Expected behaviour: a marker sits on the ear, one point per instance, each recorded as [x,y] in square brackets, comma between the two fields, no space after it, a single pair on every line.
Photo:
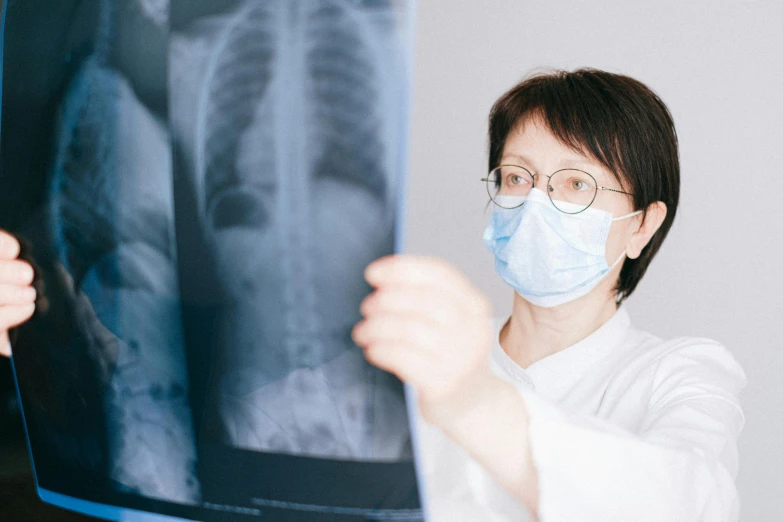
[656,213]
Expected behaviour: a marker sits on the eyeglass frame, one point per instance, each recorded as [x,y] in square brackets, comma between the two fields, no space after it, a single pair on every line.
[595,194]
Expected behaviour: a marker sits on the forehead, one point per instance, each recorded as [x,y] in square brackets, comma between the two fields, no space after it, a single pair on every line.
[532,145]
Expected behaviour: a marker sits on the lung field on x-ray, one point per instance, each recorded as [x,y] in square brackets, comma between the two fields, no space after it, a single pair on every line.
[291,136]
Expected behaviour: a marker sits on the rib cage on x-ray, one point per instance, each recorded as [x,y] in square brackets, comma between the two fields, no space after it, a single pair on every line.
[312,83]
[294,107]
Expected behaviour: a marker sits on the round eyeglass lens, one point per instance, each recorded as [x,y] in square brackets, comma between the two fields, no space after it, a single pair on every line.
[572,191]
[507,183]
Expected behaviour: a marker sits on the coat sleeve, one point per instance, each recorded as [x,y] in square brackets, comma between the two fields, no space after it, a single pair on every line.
[679,465]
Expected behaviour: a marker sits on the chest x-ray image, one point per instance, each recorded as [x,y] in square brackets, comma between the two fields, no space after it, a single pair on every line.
[283,140]
[200,185]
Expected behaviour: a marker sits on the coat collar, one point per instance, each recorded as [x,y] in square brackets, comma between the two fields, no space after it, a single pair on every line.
[559,371]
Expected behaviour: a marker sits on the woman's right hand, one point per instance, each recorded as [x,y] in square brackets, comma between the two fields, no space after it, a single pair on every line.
[17,295]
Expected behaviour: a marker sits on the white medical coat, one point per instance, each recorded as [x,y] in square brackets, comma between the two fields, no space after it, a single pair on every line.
[623,427]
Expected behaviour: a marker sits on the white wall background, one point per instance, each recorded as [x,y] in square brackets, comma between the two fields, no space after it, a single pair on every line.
[719,66]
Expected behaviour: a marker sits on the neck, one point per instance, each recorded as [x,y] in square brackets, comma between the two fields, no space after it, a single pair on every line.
[533,333]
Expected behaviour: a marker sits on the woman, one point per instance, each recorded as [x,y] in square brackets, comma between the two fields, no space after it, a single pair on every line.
[574,412]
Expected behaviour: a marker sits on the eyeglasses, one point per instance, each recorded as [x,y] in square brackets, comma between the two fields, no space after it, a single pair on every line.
[571,190]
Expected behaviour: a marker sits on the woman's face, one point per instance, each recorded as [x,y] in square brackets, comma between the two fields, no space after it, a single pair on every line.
[533,146]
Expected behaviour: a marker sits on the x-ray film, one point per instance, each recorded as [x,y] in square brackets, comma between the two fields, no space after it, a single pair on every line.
[199,185]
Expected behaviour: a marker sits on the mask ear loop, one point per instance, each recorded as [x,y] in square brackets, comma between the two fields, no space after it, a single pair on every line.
[622,255]
[624,252]
[626,216]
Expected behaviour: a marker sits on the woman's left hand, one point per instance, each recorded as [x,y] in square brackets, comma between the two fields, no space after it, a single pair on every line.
[426,323]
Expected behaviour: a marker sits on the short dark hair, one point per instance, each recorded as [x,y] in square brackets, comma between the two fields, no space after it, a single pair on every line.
[614,119]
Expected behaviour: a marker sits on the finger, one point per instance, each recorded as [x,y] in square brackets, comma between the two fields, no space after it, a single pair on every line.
[409,364]
[428,303]
[9,246]
[5,347]
[16,272]
[14,315]
[14,294]
[413,270]
[395,329]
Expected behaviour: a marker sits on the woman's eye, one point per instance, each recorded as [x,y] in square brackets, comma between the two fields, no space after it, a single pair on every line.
[516,180]
[578,184]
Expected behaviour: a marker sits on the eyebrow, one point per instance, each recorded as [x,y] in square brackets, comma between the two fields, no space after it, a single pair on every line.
[586,165]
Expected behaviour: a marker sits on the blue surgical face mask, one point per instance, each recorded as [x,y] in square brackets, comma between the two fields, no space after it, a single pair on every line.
[547,256]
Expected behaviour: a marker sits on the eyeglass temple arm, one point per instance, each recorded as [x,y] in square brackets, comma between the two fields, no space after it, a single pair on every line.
[615,190]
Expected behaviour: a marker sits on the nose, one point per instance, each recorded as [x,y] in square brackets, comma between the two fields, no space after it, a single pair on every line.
[541,182]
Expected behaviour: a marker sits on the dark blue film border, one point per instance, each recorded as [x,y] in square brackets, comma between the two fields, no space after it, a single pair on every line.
[13,366]
[104,511]
[119,514]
